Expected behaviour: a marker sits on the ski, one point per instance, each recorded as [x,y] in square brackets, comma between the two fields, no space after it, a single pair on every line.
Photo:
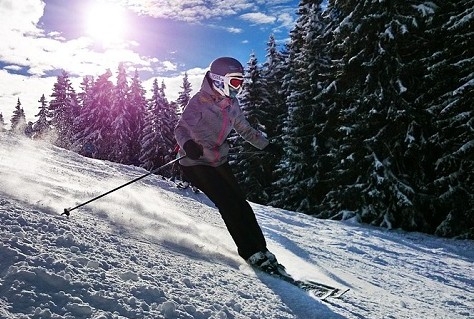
[330,293]
[319,290]
[314,288]
[333,292]
[339,293]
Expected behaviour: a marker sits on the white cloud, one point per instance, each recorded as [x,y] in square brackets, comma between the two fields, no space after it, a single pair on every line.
[286,20]
[21,16]
[258,18]
[170,66]
[188,10]
[234,30]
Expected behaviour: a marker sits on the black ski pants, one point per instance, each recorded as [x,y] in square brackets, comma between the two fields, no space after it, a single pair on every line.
[220,185]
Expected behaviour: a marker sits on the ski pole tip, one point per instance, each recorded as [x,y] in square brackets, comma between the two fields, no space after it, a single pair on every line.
[66,212]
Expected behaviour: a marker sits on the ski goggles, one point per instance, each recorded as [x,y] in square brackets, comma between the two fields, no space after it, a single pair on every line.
[233,80]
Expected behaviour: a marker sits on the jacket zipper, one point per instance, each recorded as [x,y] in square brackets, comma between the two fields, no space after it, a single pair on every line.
[222,135]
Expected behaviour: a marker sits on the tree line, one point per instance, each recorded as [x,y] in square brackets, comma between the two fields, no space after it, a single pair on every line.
[371,101]
[107,121]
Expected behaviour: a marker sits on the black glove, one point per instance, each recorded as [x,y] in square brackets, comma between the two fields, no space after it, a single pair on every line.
[193,150]
[274,149]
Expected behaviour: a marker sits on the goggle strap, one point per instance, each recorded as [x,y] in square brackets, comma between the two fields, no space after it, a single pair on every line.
[216,77]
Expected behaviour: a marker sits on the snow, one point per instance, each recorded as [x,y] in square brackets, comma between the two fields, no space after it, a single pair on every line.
[427,8]
[150,250]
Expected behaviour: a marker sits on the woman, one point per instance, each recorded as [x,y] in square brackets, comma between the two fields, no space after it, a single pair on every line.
[201,133]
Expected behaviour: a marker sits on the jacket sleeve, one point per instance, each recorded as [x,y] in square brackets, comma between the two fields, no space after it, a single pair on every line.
[189,119]
[248,133]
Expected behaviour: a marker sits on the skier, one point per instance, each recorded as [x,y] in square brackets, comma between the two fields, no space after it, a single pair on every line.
[201,133]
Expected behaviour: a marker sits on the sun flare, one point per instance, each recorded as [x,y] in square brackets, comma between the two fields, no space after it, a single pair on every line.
[105,22]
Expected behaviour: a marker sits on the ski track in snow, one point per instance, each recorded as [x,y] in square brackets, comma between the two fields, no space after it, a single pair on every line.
[151,250]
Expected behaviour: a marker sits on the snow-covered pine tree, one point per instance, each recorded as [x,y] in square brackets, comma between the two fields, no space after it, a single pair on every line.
[172,112]
[376,95]
[62,109]
[169,118]
[2,123]
[273,107]
[299,170]
[95,122]
[273,97]
[148,147]
[153,150]
[81,122]
[120,120]
[185,94]
[138,111]
[29,129]
[41,126]
[250,169]
[450,94]
[84,97]
[18,119]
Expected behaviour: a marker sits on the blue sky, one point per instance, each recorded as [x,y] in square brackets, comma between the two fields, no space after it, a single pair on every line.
[161,38]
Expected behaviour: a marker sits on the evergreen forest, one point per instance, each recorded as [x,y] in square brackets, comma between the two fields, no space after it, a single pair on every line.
[372,102]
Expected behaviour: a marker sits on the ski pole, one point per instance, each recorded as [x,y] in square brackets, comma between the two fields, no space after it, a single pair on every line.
[67,211]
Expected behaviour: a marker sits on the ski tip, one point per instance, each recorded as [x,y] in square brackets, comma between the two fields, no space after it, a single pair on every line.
[342,292]
[330,293]
[336,294]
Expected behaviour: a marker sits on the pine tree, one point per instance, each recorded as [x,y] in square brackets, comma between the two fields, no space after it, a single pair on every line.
[95,123]
[169,119]
[273,110]
[2,123]
[250,169]
[185,94]
[148,147]
[80,122]
[376,96]
[41,127]
[299,170]
[154,140]
[273,98]
[120,120]
[18,120]
[29,131]
[84,97]
[63,108]
[451,97]
[138,112]
[171,114]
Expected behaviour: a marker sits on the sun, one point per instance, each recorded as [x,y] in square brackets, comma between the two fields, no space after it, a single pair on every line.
[105,22]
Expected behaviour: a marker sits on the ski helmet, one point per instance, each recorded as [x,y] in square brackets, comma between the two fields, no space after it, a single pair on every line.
[227,76]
